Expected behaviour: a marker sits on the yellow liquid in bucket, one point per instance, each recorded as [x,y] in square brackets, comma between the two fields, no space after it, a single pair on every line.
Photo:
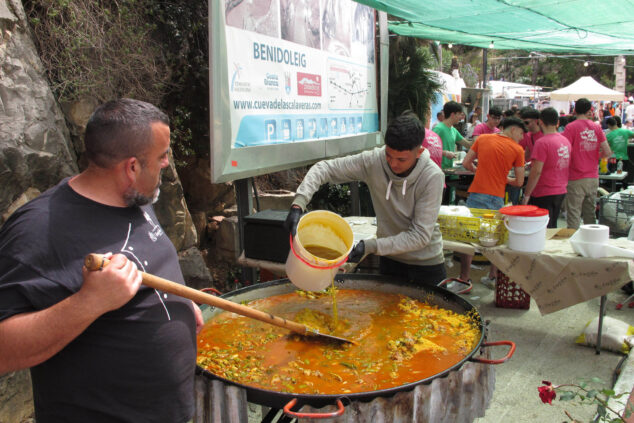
[319,235]
[323,252]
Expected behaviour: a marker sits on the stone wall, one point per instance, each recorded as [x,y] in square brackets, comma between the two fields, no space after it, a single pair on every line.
[34,154]
[16,398]
[34,140]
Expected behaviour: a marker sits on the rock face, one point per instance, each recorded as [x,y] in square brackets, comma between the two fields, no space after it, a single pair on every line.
[193,265]
[16,404]
[77,114]
[202,195]
[34,154]
[172,211]
[34,149]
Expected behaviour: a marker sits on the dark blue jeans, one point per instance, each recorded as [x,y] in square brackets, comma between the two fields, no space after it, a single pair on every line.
[418,275]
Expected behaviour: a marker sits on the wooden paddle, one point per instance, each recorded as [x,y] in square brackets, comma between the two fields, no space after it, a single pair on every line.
[98,261]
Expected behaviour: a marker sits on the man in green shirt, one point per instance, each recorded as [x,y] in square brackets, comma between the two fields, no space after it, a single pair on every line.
[618,138]
[448,134]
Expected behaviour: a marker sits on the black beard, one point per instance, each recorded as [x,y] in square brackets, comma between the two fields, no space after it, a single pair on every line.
[134,198]
[137,199]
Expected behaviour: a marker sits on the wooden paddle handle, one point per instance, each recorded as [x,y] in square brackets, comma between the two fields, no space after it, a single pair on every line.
[98,261]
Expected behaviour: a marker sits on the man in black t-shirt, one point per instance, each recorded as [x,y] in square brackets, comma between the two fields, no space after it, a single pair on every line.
[101,347]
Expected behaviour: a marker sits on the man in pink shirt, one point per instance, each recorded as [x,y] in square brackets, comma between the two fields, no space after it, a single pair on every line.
[588,146]
[491,125]
[546,186]
[433,144]
[530,117]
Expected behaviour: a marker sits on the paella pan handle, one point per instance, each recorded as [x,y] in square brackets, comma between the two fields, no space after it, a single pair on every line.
[212,290]
[291,403]
[498,361]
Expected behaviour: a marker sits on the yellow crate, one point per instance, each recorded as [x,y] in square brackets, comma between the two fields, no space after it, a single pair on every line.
[467,229]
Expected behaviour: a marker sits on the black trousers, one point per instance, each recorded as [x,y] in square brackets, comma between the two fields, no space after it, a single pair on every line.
[419,275]
[552,203]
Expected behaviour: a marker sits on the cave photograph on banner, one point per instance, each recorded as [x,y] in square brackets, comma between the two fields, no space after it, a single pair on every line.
[300,70]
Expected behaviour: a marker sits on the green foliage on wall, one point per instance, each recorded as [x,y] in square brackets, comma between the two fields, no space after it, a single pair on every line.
[151,50]
[101,49]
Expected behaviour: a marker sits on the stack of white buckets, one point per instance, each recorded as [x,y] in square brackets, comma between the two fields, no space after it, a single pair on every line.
[526,226]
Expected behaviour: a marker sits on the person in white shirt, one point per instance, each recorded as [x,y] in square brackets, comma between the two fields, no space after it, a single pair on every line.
[629,112]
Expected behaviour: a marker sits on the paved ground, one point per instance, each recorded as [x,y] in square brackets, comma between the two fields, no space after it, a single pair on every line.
[546,350]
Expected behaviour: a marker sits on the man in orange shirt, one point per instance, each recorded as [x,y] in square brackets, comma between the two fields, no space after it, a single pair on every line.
[497,154]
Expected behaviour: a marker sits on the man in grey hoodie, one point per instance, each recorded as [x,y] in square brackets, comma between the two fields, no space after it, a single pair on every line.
[406,190]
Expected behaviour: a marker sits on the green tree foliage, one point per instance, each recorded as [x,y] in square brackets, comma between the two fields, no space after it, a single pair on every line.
[182,30]
[412,85]
[152,50]
[99,48]
[555,72]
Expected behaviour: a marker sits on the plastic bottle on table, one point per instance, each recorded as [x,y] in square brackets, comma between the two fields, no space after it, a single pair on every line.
[619,167]
[603,166]
[612,164]
[488,230]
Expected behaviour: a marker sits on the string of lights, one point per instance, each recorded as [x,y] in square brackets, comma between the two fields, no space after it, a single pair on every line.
[536,55]
[569,57]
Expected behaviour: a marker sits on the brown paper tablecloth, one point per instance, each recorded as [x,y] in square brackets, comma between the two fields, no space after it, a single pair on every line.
[557,277]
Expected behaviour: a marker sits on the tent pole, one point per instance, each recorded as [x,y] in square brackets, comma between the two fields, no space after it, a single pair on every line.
[619,73]
[484,68]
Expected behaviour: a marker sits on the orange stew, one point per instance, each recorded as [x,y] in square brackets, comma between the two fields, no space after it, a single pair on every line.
[400,340]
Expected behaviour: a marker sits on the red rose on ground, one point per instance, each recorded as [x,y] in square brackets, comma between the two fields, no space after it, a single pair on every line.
[547,393]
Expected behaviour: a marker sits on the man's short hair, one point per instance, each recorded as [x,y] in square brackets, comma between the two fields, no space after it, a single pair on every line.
[440,113]
[508,113]
[451,107]
[611,121]
[513,121]
[406,132]
[495,111]
[529,113]
[120,129]
[618,121]
[582,106]
[549,116]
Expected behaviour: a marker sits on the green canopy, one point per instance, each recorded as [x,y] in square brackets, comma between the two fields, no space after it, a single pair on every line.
[603,27]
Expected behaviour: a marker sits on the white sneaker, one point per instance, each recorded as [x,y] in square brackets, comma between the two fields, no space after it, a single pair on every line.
[488,282]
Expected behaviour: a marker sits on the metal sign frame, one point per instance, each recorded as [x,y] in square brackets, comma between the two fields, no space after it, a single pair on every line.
[229,163]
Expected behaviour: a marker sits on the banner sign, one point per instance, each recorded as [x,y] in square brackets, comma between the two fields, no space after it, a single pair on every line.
[300,70]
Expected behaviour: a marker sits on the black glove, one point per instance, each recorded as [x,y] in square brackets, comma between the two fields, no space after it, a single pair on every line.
[290,224]
[357,252]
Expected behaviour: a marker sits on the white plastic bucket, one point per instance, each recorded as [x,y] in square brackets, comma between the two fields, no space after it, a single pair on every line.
[318,230]
[526,233]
